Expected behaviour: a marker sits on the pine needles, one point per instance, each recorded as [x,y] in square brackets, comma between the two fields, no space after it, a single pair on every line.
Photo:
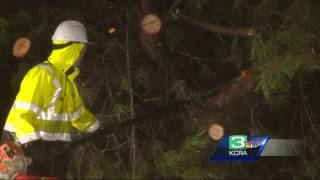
[283,54]
[177,163]
[180,90]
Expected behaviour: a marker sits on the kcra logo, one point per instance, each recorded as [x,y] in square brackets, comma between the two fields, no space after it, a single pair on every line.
[240,147]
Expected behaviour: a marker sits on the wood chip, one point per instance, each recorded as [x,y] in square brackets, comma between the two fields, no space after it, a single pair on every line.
[112,30]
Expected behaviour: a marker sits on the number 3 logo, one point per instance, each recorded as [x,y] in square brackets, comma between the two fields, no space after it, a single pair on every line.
[237,142]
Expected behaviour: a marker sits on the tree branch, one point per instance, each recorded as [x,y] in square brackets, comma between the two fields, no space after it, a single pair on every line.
[214,28]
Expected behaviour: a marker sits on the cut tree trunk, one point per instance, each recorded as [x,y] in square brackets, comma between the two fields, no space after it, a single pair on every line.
[149,32]
[216,131]
[151,24]
[21,47]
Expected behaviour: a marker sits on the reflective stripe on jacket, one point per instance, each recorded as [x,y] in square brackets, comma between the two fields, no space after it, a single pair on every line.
[48,104]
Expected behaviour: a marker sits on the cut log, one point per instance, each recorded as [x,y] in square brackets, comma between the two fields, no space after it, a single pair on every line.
[151,24]
[21,47]
[216,132]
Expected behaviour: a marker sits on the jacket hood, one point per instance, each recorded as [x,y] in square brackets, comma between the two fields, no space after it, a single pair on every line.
[63,59]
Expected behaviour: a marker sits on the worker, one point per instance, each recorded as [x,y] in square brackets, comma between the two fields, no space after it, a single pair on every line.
[48,104]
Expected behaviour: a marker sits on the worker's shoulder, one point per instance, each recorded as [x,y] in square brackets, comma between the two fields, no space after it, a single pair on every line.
[45,66]
[42,69]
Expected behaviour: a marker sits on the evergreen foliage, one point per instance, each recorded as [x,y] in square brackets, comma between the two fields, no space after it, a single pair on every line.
[176,163]
[284,52]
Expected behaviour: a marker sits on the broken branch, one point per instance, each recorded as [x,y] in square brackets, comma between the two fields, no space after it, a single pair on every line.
[214,28]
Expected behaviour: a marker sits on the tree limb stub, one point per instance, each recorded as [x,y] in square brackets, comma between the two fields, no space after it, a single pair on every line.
[149,32]
[214,28]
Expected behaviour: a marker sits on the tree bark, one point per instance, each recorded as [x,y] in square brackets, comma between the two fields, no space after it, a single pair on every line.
[232,91]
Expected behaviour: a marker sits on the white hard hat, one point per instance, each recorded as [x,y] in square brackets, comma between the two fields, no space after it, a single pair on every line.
[70,30]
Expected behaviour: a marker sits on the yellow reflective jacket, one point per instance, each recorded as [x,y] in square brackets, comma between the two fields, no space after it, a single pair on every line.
[48,104]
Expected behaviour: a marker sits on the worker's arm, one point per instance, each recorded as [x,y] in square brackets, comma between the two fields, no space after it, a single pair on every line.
[29,102]
[86,122]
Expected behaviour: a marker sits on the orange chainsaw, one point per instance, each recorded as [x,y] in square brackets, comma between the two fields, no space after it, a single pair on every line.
[13,163]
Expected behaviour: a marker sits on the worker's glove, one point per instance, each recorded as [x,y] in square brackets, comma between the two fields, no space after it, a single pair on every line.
[10,168]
